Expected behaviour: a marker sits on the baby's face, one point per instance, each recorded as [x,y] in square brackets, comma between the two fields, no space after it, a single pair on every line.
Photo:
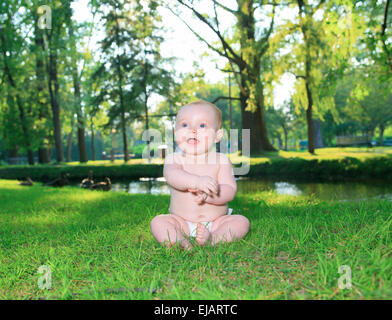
[197,129]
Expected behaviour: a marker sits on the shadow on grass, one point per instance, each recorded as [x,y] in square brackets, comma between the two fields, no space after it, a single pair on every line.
[45,210]
[52,212]
[293,250]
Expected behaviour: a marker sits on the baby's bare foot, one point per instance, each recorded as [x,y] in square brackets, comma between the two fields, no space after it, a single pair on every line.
[186,244]
[202,235]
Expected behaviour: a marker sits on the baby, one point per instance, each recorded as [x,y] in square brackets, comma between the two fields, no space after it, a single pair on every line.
[201,183]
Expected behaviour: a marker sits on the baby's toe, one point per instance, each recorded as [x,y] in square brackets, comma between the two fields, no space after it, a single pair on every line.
[202,234]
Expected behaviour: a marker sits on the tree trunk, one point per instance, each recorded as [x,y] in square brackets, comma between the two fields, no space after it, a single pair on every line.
[309,109]
[370,133]
[43,113]
[124,136]
[69,140]
[112,151]
[83,157]
[147,128]
[382,128]
[54,100]
[22,117]
[266,145]
[308,65]
[92,141]
[43,155]
[122,103]
[13,155]
[256,123]
[285,137]
[146,108]
[310,123]
[318,139]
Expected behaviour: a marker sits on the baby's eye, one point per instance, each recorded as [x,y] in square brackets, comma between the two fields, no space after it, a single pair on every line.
[184,125]
[202,125]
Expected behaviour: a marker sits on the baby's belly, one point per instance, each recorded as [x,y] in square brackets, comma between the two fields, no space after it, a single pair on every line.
[183,205]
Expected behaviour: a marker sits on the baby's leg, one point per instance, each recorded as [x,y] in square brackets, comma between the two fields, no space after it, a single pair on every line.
[229,228]
[170,229]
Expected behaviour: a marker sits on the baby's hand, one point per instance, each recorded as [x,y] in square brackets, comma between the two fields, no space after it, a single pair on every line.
[207,185]
[200,197]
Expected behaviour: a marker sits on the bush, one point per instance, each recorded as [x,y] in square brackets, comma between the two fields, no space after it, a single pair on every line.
[347,169]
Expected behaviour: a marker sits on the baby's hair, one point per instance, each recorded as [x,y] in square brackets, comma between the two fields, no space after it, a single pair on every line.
[217,111]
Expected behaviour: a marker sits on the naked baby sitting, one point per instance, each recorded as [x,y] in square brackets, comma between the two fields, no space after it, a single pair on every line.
[201,183]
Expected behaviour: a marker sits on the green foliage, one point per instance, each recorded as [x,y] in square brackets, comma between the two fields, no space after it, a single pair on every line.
[346,43]
[321,48]
[348,169]
[296,168]
[376,45]
[372,102]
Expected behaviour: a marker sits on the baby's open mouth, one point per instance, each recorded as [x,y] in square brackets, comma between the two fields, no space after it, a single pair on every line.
[192,141]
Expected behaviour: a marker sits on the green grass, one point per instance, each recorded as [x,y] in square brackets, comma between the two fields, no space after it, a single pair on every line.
[362,154]
[99,246]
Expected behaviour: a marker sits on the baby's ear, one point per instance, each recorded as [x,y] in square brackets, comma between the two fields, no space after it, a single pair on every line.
[219,135]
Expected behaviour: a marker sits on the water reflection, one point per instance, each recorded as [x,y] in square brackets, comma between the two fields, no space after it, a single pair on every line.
[341,191]
[287,188]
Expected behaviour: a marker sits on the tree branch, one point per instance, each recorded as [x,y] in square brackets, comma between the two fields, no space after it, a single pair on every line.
[264,43]
[225,8]
[383,30]
[235,57]
[227,98]
[199,37]
[318,6]
[297,76]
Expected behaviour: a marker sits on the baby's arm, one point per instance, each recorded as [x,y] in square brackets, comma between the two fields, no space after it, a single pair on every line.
[175,176]
[227,184]
[181,180]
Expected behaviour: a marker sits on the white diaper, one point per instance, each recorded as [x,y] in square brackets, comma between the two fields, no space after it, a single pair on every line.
[208,224]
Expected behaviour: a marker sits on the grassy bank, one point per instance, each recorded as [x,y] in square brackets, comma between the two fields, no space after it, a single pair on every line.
[333,164]
[99,246]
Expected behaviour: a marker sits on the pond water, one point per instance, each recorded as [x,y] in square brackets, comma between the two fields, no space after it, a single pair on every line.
[341,191]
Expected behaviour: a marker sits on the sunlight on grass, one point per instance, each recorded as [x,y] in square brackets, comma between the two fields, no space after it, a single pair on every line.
[99,246]
[320,154]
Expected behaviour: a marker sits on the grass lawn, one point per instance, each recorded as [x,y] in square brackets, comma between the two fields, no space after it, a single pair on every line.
[322,154]
[99,246]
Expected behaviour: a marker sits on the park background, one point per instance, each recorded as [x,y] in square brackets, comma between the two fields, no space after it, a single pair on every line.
[82,80]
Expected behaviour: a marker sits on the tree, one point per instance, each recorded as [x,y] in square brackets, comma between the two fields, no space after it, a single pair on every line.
[377,15]
[280,121]
[370,103]
[151,78]
[321,49]
[12,63]
[118,60]
[76,79]
[41,97]
[55,38]
[129,80]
